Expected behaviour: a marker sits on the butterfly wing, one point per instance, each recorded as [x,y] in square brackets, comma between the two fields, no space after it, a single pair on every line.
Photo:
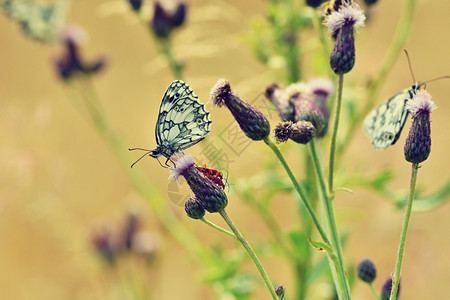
[183,121]
[384,124]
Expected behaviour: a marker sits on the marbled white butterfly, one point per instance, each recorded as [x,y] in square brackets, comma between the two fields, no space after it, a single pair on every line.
[182,121]
[384,124]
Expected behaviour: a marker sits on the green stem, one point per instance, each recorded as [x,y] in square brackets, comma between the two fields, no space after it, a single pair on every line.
[374,292]
[401,247]
[340,267]
[396,46]
[175,66]
[217,227]
[250,251]
[334,135]
[298,188]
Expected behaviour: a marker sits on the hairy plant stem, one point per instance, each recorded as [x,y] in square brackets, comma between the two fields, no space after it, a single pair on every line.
[337,113]
[250,251]
[299,189]
[396,46]
[175,66]
[340,267]
[401,247]
[151,194]
[218,228]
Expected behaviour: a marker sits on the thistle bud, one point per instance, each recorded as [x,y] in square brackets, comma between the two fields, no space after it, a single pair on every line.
[418,143]
[164,22]
[209,194]
[302,132]
[367,271]
[341,22]
[314,3]
[370,2]
[283,131]
[101,239]
[129,230]
[194,208]
[387,288]
[135,4]
[321,89]
[280,290]
[252,122]
[307,110]
[277,96]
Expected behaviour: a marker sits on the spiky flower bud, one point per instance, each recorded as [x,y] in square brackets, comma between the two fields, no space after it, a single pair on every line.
[163,21]
[341,23]
[283,131]
[387,288]
[370,2]
[418,143]
[321,89]
[302,132]
[194,208]
[280,290]
[252,122]
[366,270]
[307,110]
[129,230]
[209,194]
[102,241]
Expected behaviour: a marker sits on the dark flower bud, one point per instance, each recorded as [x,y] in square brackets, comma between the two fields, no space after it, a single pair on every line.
[370,2]
[194,208]
[135,4]
[102,241]
[387,288]
[252,122]
[302,132]
[321,89]
[164,22]
[280,290]
[314,3]
[366,270]
[307,110]
[418,143]
[283,131]
[280,100]
[209,194]
[129,230]
[341,23]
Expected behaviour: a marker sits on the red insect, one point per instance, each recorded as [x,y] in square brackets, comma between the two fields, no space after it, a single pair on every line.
[213,175]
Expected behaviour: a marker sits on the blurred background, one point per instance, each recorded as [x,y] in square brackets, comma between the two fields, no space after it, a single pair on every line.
[62,188]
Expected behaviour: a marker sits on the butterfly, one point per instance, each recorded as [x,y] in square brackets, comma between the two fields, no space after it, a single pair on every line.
[182,122]
[384,124]
[40,21]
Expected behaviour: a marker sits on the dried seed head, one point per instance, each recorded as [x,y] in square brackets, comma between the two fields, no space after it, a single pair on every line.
[283,131]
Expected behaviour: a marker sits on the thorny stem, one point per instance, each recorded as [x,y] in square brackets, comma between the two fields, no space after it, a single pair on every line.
[217,227]
[340,267]
[250,251]
[398,41]
[334,135]
[401,247]
[298,188]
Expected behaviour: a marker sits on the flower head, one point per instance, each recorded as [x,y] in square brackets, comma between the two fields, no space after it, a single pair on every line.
[70,62]
[281,101]
[418,143]
[302,132]
[314,3]
[387,288]
[341,22]
[135,4]
[366,270]
[164,21]
[252,122]
[209,194]
[194,208]
[307,110]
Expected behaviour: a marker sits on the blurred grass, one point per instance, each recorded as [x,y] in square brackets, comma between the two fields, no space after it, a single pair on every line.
[58,179]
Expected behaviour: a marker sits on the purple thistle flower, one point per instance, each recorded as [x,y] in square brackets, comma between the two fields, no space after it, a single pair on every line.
[307,110]
[387,288]
[367,271]
[321,89]
[418,143]
[129,231]
[208,193]
[252,122]
[276,95]
[302,132]
[163,21]
[101,239]
[341,23]
[194,208]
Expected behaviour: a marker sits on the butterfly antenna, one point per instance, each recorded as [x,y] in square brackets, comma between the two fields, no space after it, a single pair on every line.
[437,78]
[146,153]
[410,65]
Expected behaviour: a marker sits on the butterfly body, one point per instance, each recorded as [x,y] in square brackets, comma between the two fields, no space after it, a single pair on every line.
[384,124]
[182,121]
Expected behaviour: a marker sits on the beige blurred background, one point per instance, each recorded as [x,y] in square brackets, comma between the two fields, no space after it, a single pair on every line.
[59,179]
